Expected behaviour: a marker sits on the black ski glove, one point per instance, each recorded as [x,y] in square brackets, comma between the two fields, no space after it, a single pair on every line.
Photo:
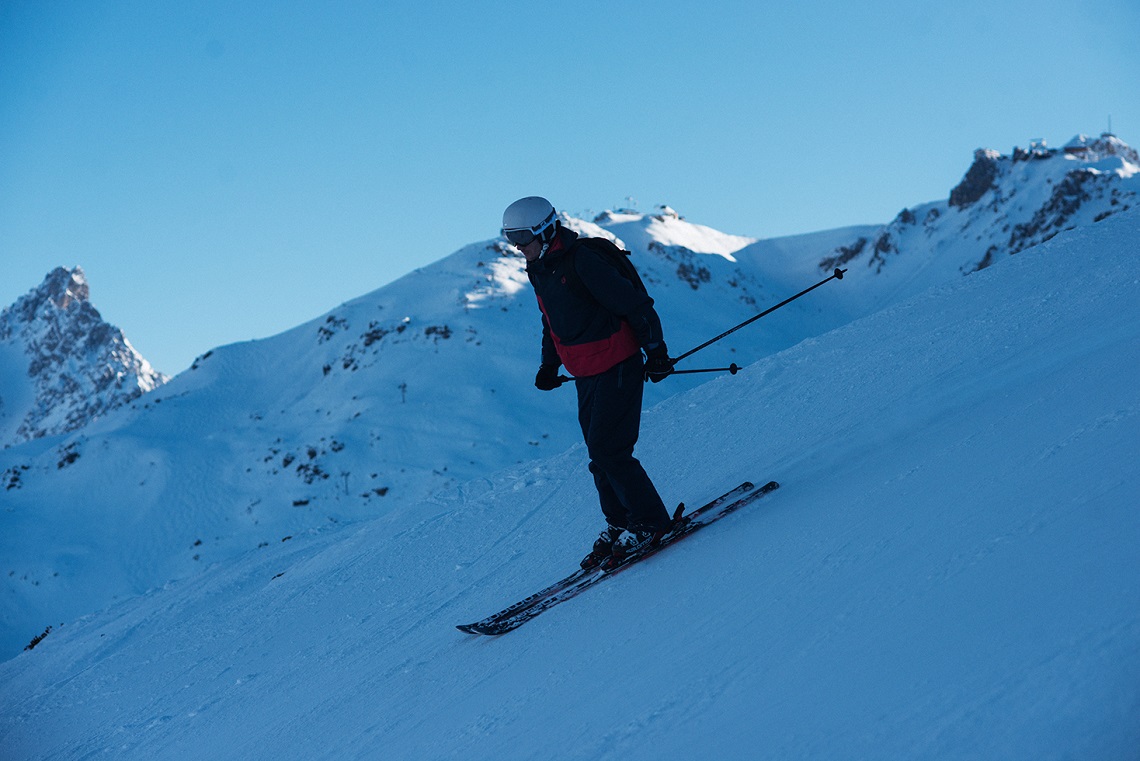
[658,365]
[547,378]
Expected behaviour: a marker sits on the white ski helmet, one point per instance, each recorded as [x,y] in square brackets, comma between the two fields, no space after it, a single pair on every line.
[529,218]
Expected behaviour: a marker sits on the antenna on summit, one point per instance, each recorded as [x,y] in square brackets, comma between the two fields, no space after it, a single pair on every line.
[1109,133]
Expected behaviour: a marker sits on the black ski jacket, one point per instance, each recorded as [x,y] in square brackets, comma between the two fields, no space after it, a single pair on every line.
[589,332]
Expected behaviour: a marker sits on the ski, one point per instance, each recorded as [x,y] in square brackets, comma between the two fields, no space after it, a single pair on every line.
[526,602]
[573,585]
[579,576]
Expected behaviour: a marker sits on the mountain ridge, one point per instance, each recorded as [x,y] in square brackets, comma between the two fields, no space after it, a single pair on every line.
[1083,183]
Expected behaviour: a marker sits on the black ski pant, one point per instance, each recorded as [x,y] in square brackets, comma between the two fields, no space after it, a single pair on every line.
[609,411]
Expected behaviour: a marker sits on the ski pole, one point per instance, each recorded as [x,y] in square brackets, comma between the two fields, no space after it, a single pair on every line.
[837,275]
[732,369]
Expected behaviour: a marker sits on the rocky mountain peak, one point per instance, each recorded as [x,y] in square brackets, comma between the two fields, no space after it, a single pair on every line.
[62,290]
[63,365]
[63,286]
[1003,205]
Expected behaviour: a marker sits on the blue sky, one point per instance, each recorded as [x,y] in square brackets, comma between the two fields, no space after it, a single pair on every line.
[224,171]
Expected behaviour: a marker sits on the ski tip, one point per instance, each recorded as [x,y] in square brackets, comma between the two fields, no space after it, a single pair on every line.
[477,629]
[770,486]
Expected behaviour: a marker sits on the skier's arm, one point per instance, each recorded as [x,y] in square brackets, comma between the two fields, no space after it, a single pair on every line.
[549,352]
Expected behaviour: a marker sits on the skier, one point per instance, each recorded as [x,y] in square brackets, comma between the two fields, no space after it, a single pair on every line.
[596,321]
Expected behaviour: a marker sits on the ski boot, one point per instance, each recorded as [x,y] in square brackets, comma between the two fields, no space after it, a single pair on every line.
[630,544]
[603,545]
[640,538]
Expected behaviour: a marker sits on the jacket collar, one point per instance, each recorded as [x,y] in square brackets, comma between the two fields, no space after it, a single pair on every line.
[562,243]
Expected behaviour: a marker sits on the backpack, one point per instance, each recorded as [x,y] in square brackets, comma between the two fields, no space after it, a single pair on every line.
[609,251]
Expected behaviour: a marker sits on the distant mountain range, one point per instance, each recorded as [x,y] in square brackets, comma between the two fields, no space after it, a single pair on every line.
[426,383]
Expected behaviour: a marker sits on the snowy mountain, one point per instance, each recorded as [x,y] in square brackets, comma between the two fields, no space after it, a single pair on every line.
[1002,206]
[949,569]
[61,365]
[422,385]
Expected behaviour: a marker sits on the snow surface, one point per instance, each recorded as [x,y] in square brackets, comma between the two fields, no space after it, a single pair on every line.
[950,570]
[17,393]
[668,228]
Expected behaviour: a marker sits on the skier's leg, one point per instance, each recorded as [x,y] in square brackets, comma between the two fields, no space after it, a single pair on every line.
[612,507]
[611,418]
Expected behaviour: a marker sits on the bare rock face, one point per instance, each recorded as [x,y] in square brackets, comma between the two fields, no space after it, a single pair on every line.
[979,178]
[1004,205]
[63,365]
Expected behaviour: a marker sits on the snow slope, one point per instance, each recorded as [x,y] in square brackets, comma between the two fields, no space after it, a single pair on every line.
[948,571]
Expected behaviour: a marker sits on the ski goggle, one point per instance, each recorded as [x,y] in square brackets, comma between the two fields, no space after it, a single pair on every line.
[519,237]
[523,236]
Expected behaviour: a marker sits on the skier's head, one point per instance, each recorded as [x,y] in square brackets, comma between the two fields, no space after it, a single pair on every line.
[528,219]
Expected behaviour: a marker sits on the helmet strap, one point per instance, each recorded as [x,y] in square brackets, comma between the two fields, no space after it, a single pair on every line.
[548,235]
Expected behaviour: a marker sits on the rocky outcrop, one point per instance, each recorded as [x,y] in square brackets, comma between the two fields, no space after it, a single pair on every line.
[978,180]
[76,366]
[1004,205]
